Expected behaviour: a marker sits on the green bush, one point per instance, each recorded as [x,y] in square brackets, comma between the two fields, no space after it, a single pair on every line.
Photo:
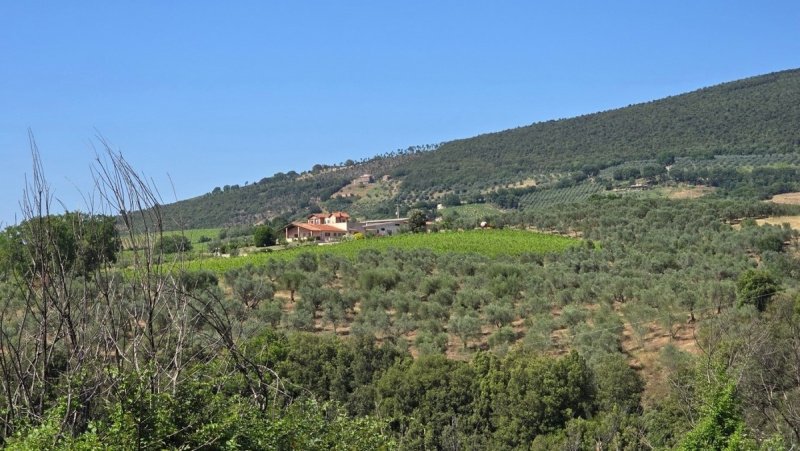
[171,244]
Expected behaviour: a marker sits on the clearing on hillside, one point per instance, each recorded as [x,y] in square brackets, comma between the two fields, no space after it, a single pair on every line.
[787,198]
[689,192]
[793,221]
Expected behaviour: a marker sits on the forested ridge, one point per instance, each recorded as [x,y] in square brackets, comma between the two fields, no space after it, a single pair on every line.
[754,116]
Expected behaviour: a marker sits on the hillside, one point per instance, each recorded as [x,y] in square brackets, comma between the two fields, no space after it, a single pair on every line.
[758,115]
[672,291]
[280,195]
[752,116]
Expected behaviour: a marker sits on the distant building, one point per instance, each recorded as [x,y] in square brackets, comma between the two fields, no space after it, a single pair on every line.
[317,218]
[338,219]
[298,231]
[382,226]
[320,227]
[327,227]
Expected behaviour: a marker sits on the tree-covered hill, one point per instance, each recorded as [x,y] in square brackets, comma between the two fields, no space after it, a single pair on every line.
[752,116]
[283,194]
[758,115]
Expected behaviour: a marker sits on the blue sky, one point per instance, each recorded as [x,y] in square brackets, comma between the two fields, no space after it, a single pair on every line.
[212,93]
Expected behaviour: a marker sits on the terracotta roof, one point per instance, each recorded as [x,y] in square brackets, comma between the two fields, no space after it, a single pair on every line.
[339,214]
[316,227]
[318,215]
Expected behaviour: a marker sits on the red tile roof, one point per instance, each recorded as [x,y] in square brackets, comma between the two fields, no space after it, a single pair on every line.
[316,227]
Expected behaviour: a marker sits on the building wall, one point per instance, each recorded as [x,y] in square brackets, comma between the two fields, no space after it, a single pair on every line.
[295,233]
[384,228]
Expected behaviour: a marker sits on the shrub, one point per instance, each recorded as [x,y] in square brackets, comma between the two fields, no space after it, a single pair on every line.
[170,244]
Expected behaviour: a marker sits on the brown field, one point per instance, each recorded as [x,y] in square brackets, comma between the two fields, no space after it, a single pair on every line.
[689,192]
[787,198]
[522,184]
[358,190]
[793,221]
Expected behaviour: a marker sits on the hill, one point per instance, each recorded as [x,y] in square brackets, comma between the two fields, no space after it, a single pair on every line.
[753,116]
[281,195]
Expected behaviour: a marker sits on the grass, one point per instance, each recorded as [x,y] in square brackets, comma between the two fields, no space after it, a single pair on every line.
[491,243]
[194,236]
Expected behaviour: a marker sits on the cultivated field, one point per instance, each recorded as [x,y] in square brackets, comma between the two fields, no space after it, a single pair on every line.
[688,192]
[490,243]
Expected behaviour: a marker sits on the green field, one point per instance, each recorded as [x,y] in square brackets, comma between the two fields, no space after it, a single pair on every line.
[194,236]
[491,243]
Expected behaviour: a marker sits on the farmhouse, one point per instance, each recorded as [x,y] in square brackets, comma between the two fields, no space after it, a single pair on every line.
[337,219]
[323,227]
[327,227]
[321,232]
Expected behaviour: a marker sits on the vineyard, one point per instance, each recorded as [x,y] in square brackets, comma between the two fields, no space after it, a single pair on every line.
[491,243]
[560,196]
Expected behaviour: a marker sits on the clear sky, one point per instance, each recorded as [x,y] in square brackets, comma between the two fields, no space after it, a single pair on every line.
[209,93]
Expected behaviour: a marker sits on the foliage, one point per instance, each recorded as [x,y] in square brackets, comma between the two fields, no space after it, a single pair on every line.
[146,354]
[263,236]
[416,221]
[171,244]
[219,421]
[723,119]
[756,287]
[73,241]
[533,396]
[720,426]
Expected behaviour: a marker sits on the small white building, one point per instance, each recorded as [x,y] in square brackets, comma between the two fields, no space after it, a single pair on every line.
[382,226]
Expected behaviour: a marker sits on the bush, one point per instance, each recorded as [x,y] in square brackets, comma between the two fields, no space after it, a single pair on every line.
[263,236]
[170,244]
[756,288]
[197,280]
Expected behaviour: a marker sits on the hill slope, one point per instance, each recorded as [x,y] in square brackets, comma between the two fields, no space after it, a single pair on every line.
[758,115]
[754,115]
[280,195]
